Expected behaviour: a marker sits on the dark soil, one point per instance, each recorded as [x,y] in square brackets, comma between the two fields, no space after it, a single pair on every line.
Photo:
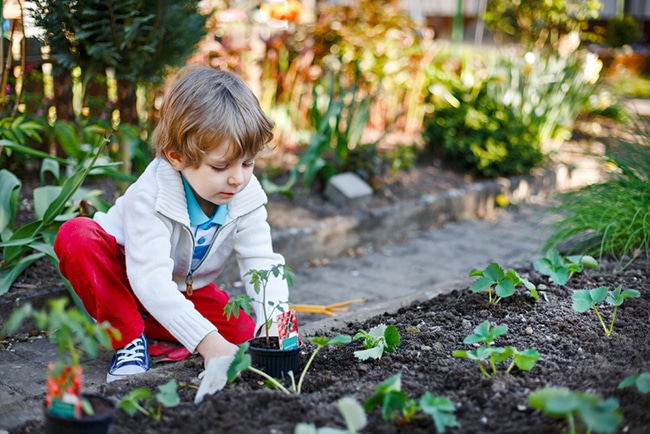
[574,351]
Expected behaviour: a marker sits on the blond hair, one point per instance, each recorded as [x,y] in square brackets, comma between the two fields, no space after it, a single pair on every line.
[206,108]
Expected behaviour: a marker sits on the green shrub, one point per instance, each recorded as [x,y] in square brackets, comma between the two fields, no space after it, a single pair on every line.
[611,217]
[622,31]
[483,137]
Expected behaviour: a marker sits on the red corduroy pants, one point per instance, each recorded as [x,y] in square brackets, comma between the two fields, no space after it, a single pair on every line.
[94,263]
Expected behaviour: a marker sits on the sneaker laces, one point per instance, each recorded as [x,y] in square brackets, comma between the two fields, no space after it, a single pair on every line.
[133,352]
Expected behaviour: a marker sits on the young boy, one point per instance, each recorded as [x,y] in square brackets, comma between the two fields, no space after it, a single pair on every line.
[147,266]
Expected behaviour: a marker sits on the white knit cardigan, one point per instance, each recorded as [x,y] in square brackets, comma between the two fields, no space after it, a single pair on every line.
[151,221]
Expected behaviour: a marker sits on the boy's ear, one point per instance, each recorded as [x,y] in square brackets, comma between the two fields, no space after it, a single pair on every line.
[175,159]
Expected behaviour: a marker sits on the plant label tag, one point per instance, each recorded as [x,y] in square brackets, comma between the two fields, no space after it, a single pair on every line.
[288,335]
[60,408]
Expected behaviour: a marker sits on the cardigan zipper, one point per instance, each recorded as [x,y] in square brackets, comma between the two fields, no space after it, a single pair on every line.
[189,290]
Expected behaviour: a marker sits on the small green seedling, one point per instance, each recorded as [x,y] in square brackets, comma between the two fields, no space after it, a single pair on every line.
[260,279]
[585,299]
[353,414]
[560,269]
[144,401]
[596,414]
[641,381]
[242,362]
[396,404]
[377,341]
[524,360]
[499,283]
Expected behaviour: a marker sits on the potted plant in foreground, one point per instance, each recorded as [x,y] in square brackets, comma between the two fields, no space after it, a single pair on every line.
[67,409]
[275,355]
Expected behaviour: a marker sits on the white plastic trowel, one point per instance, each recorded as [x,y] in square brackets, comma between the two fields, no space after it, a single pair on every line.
[214,378]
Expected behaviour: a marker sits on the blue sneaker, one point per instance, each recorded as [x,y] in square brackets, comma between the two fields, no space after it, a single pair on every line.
[132,359]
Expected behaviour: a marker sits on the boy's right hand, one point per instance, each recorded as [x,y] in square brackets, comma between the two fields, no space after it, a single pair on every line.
[214,345]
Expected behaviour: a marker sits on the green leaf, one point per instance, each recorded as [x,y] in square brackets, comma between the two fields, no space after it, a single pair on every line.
[241,362]
[505,288]
[525,360]
[9,194]
[353,414]
[375,353]
[482,284]
[494,272]
[641,381]
[441,409]
[585,299]
[168,395]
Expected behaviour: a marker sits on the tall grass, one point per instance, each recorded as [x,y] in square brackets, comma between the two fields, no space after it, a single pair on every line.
[611,218]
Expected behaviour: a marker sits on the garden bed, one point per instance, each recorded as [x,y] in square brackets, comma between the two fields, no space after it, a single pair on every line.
[574,354]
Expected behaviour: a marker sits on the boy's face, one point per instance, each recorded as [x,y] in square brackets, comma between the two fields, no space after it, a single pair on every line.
[217,178]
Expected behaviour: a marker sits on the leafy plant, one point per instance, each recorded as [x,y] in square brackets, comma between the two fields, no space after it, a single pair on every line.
[585,299]
[242,362]
[612,217]
[34,240]
[340,115]
[498,283]
[75,335]
[560,269]
[260,279]
[524,360]
[353,415]
[597,415]
[150,404]
[395,403]
[377,340]
[641,381]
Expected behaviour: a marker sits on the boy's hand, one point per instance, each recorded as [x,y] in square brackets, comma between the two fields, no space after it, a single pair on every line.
[214,345]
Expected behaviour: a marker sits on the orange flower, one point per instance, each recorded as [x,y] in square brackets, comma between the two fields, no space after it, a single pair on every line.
[284,11]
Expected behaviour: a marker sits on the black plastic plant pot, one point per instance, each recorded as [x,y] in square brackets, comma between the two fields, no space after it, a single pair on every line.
[99,423]
[271,359]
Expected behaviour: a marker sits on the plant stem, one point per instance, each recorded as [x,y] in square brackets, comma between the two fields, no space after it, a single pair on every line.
[271,380]
[304,370]
[480,366]
[572,424]
[611,325]
[600,318]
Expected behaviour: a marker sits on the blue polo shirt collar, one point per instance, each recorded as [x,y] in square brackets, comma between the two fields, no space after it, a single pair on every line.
[197,216]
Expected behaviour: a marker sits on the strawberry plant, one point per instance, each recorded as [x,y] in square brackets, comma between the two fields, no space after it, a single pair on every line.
[524,360]
[395,403]
[641,381]
[242,362]
[144,401]
[597,415]
[560,269]
[499,283]
[585,299]
[377,341]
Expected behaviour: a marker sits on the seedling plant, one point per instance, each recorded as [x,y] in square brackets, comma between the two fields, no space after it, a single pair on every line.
[260,279]
[585,299]
[524,360]
[377,341]
[596,414]
[641,381]
[75,335]
[499,283]
[396,404]
[144,401]
[242,362]
[560,269]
